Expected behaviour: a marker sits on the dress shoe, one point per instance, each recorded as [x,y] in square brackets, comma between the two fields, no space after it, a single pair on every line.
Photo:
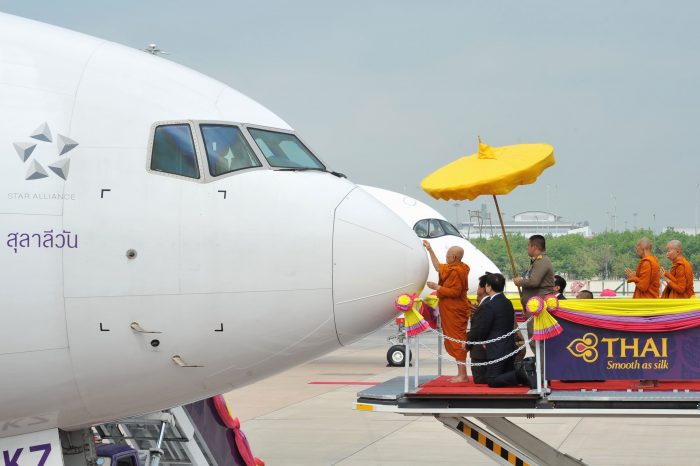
[526,378]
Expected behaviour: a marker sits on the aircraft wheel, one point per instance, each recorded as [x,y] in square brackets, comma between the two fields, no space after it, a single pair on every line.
[396,354]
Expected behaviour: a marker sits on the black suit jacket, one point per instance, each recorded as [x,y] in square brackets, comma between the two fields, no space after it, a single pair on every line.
[495,320]
[477,352]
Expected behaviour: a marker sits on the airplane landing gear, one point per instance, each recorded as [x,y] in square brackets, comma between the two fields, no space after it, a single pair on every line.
[397,354]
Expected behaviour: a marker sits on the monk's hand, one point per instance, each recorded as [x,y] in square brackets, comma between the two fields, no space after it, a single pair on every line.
[663,271]
[433,285]
[518,281]
[427,245]
[628,272]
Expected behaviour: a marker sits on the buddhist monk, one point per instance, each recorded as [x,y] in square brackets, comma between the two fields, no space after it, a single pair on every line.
[647,278]
[679,280]
[454,306]
[647,281]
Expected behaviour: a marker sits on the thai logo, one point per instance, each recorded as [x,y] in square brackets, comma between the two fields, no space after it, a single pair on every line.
[585,347]
[35,170]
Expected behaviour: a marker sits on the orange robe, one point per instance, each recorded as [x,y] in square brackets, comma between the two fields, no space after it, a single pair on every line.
[454,306]
[680,280]
[647,279]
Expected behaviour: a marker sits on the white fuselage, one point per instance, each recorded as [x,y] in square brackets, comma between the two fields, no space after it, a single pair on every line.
[412,212]
[243,275]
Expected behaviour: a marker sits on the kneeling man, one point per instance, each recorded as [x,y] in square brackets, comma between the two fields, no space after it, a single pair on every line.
[497,320]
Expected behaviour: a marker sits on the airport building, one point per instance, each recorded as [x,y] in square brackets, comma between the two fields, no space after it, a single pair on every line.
[528,223]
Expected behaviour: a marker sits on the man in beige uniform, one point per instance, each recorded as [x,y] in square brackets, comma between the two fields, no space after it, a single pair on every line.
[539,278]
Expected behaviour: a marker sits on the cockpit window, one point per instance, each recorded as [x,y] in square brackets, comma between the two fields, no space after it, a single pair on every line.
[435,229]
[173,151]
[421,228]
[284,150]
[449,228]
[227,149]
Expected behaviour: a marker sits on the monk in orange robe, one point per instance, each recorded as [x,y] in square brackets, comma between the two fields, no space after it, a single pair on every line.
[647,278]
[454,305]
[679,280]
[647,281]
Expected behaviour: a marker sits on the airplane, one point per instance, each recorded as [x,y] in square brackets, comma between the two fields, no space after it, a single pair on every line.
[430,225]
[166,238]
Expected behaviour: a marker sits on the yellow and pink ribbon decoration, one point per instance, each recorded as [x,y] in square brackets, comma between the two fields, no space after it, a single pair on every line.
[410,305]
[545,325]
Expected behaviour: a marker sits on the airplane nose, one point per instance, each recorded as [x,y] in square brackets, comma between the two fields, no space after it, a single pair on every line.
[376,257]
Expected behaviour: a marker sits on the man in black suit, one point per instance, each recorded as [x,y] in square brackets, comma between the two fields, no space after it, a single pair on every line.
[497,320]
[477,353]
[559,285]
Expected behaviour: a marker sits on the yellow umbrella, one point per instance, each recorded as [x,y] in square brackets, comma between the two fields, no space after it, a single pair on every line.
[492,170]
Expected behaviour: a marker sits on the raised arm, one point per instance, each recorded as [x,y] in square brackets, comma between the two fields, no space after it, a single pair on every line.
[433,258]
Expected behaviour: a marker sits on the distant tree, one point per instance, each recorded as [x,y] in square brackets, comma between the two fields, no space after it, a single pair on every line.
[605,256]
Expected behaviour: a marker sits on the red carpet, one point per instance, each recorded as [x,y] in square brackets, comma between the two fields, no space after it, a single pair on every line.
[442,386]
[624,385]
[324,382]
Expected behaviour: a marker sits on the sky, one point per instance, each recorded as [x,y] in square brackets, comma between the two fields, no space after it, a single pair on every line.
[389,91]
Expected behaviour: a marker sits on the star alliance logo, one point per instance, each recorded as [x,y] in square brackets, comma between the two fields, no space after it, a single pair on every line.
[36,171]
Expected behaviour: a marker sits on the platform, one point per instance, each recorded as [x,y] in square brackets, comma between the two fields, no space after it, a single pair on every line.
[290,421]
[623,398]
[480,414]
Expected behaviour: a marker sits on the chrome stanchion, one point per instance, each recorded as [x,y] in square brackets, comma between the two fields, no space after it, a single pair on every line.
[544,367]
[417,366]
[406,359]
[537,365]
[440,345]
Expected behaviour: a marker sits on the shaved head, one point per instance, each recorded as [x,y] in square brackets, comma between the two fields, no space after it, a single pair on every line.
[456,252]
[643,248]
[674,250]
[644,242]
[675,244]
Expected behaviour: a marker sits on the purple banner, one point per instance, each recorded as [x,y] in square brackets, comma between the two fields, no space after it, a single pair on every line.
[591,353]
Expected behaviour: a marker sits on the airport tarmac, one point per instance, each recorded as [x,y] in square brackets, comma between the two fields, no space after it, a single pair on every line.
[290,421]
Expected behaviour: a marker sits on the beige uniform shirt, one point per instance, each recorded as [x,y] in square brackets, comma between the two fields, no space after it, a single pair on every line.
[539,278]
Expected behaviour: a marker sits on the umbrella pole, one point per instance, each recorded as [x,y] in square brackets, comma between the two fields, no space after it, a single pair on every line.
[505,238]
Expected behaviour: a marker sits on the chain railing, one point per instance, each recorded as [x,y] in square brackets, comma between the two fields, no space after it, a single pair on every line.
[468,363]
[485,342]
